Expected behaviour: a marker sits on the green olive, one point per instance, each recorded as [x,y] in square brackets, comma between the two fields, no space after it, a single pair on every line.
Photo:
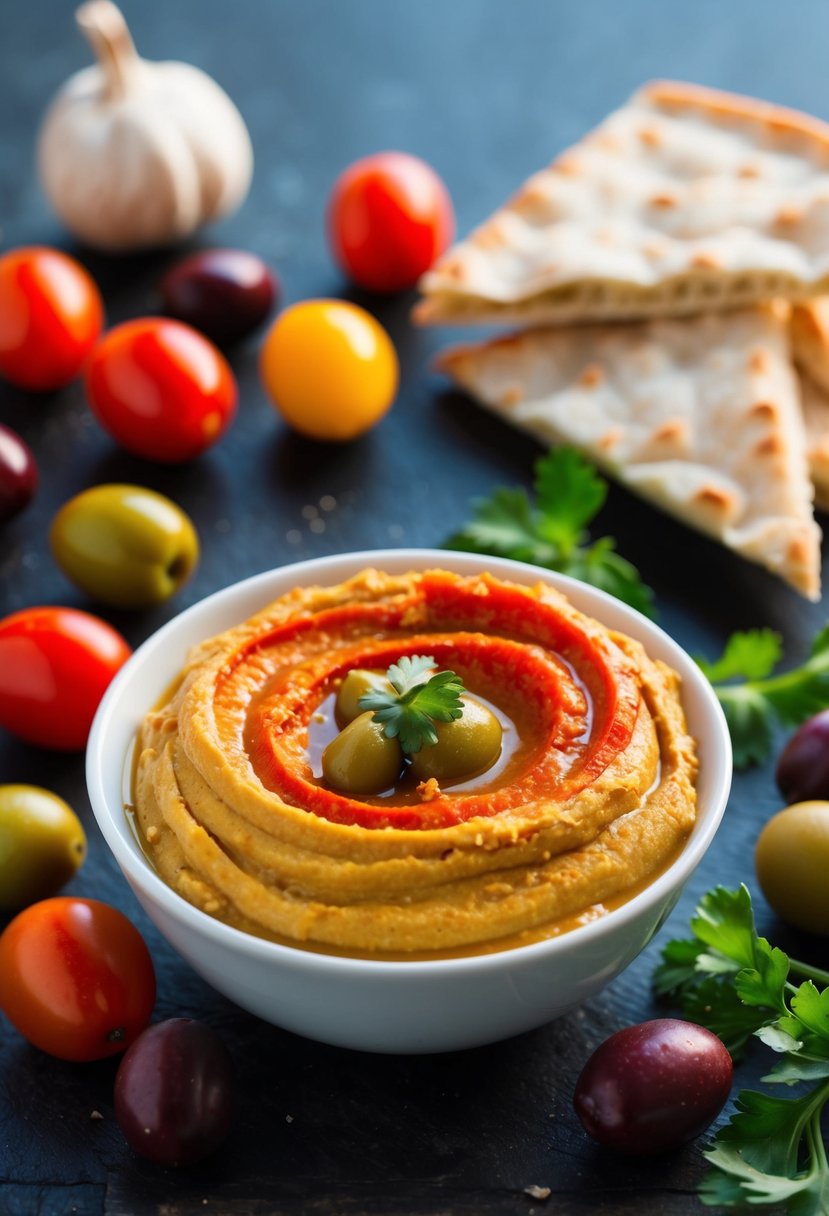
[124,545]
[468,745]
[360,759]
[792,861]
[42,844]
[358,681]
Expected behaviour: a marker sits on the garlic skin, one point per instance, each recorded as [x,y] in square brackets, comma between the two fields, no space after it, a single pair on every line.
[134,154]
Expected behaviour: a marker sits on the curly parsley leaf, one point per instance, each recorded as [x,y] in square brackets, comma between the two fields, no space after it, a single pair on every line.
[550,531]
[760,699]
[732,980]
[417,702]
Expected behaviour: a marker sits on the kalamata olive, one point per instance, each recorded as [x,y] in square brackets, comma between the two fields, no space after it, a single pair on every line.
[42,844]
[356,682]
[18,473]
[175,1092]
[466,746]
[360,759]
[803,766]
[653,1087]
[792,861]
[124,545]
[225,293]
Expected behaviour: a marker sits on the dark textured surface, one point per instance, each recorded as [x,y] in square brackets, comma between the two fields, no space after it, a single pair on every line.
[486,92]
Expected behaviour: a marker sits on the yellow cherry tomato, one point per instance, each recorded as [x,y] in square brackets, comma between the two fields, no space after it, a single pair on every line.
[792,861]
[330,369]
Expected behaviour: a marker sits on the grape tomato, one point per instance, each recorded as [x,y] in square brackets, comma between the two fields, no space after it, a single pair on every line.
[161,389]
[76,978]
[329,368]
[389,217]
[50,317]
[55,665]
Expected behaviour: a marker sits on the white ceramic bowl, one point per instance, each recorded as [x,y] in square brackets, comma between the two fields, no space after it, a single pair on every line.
[419,1006]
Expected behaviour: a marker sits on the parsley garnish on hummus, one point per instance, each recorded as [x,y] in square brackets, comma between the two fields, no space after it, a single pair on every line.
[410,711]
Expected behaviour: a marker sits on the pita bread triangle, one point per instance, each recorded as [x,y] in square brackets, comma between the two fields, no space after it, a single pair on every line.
[685,200]
[701,416]
[815,401]
[809,328]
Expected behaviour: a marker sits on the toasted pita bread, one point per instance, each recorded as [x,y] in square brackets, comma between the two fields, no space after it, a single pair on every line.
[815,399]
[702,417]
[685,200]
[809,328]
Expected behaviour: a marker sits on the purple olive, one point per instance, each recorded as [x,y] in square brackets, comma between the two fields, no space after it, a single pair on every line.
[225,293]
[653,1087]
[18,473]
[803,767]
[175,1092]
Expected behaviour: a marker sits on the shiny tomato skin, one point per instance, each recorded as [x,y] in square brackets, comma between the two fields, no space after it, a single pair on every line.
[389,217]
[329,368]
[50,317]
[55,665]
[76,978]
[161,389]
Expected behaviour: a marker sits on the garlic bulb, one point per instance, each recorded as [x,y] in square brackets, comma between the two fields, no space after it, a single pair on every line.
[134,154]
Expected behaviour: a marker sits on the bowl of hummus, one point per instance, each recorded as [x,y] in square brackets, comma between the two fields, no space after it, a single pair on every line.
[408,800]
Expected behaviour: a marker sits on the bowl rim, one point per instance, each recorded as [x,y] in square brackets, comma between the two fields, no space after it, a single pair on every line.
[141,876]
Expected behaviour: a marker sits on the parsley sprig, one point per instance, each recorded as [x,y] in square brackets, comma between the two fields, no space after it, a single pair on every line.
[550,532]
[417,701]
[734,982]
[753,699]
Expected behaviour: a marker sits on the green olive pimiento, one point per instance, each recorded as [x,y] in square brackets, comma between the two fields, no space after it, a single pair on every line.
[410,720]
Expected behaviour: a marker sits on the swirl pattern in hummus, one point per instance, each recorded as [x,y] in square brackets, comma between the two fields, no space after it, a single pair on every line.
[595,797]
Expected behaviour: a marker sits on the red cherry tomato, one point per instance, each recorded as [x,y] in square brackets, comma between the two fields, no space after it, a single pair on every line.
[389,217]
[55,665]
[50,317]
[76,978]
[161,389]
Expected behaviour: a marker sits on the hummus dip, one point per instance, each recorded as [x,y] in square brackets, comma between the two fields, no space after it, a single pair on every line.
[593,794]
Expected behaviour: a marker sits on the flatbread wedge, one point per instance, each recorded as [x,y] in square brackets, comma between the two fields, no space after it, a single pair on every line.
[815,399]
[683,201]
[809,327]
[701,416]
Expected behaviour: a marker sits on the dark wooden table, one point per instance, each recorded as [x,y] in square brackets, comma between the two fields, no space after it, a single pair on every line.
[486,92]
